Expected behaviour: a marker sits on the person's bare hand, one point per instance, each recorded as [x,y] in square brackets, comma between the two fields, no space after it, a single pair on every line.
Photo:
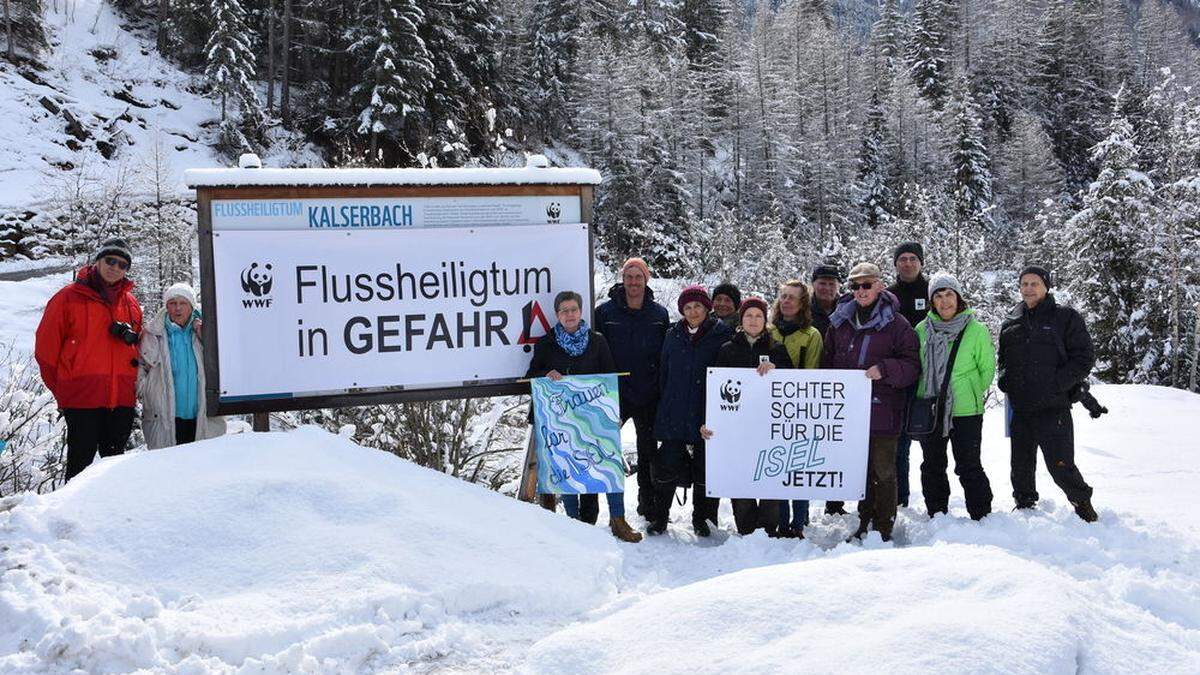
[554,375]
[765,367]
[874,373]
[705,432]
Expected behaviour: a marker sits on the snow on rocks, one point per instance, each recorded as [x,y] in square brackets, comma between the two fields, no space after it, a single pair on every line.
[278,552]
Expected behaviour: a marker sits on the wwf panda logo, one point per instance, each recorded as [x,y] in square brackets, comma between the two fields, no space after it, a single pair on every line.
[553,212]
[731,391]
[257,280]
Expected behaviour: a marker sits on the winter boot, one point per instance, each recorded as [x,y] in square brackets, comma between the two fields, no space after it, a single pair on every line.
[1085,511]
[622,531]
[863,527]
[701,528]
[835,508]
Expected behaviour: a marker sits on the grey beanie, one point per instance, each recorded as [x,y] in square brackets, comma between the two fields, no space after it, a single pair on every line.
[943,280]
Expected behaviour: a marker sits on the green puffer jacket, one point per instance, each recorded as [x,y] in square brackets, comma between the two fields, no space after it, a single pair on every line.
[974,366]
[803,345]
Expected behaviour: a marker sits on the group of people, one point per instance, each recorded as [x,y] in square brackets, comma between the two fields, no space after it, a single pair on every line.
[931,362]
[97,356]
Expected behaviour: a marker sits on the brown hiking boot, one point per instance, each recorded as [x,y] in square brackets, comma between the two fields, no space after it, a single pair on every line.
[1085,511]
[621,530]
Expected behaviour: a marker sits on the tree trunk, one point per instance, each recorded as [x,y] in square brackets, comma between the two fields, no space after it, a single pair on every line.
[161,36]
[285,108]
[8,29]
[271,56]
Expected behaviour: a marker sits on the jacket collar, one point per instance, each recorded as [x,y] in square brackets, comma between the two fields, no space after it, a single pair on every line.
[885,311]
[617,294]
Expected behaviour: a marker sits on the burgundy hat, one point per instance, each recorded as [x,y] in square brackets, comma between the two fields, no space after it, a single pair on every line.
[753,302]
[694,293]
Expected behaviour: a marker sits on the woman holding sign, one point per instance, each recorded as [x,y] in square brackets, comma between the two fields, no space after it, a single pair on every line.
[689,349]
[955,348]
[792,325]
[574,349]
[753,347]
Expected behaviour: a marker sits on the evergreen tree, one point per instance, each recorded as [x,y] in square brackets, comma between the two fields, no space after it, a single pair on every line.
[230,64]
[874,193]
[398,72]
[929,50]
[1116,256]
[971,183]
[555,28]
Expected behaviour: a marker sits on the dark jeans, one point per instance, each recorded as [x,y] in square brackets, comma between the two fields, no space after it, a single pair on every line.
[647,448]
[965,439]
[903,447]
[795,517]
[878,506]
[92,430]
[751,514]
[1054,432]
[587,507]
[185,431]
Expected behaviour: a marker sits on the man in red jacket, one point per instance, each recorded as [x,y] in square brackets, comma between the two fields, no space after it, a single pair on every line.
[86,349]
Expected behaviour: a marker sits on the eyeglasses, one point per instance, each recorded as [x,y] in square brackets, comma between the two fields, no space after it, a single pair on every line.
[855,287]
[112,261]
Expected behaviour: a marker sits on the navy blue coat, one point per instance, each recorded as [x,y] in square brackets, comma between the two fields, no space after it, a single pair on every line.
[635,337]
[682,380]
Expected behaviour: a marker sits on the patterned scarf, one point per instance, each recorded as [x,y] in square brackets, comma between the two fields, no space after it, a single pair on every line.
[575,343]
[939,337]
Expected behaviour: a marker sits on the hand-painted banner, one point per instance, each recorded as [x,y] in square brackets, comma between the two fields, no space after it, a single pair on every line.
[789,434]
[577,424]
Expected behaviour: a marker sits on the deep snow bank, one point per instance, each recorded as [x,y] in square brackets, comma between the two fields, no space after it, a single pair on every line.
[278,551]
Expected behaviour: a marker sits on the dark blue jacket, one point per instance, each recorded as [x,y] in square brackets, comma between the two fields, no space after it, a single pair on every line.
[635,337]
[684,371]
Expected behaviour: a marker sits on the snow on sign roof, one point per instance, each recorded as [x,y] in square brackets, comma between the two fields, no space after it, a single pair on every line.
[360,177]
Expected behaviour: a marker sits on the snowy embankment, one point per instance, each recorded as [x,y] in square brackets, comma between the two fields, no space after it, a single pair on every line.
[302,552]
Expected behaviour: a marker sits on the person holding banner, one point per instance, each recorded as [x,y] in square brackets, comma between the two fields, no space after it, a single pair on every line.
[792,326]
[753,347]
[955,348]
[171,374]
[574,349]
[867,332]
[635,325]
[690,348]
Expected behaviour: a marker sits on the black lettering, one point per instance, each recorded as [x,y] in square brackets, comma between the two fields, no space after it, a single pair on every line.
[385,331]
[361,344]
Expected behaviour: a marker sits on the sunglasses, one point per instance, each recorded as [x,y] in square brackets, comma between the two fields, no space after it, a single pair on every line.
[855,287]
[115,262]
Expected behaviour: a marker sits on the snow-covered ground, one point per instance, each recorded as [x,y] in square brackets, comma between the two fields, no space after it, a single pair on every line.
[302,552]
[21,306]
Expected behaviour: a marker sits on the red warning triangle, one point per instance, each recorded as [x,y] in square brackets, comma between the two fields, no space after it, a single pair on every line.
[531,311]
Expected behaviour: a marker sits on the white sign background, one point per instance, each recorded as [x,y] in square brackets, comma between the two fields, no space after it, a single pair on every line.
[400,212]
[261,334]
[764,426]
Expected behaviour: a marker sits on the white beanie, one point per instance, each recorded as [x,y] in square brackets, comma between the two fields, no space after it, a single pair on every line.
[943,280]
[181,291]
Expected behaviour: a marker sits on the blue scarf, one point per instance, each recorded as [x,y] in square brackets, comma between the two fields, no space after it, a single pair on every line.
[575,343]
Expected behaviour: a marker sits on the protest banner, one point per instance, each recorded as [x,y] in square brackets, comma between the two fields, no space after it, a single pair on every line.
[577,426]
[789,434]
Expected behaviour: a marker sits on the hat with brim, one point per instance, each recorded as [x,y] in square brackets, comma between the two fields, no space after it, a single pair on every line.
[865,270]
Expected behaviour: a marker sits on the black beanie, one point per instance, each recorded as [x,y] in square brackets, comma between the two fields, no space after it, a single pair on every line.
[115,246]
[826,272]
[1038,270]
[732,291]
[909,247]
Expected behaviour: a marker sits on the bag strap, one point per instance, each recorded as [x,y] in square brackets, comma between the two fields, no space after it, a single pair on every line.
[942,395]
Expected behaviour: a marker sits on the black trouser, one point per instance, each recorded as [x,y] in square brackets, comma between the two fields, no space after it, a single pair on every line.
[92,430]
[1054,432]
[185,431]
[965,438]
[680,464]
[878,505]
[647,448]
[751,514]
[703,507]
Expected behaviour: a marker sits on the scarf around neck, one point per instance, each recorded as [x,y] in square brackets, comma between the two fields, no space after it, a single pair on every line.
[939,337]
[575,343]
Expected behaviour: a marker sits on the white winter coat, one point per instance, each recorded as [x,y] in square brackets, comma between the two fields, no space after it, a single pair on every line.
[156,387]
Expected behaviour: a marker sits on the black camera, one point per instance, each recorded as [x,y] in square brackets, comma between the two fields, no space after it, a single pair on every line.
[1082,394]
[123,332]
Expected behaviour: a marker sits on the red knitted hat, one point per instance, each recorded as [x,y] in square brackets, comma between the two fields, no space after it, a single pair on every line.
[694,293]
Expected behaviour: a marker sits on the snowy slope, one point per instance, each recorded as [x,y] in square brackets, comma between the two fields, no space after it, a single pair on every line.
[302,552]
[105,90]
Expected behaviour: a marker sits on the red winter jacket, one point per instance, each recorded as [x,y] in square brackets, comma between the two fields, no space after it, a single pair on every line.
[82,364]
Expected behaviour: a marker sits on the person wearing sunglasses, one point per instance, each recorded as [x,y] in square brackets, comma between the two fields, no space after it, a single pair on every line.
[87,350]
[867,332]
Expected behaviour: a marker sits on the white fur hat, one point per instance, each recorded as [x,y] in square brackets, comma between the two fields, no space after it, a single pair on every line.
[181,291]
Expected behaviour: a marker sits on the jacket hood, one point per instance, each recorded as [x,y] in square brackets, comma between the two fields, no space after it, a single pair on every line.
[84,278]
[885,310]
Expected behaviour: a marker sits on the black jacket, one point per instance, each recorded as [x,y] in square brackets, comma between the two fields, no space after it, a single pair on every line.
[548,356]
[914,298]
[684,373]
[739,353]
[820,318]
[636,339]
[1044,353]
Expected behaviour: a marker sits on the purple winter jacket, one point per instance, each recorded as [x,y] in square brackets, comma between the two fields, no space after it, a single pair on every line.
[887,341]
